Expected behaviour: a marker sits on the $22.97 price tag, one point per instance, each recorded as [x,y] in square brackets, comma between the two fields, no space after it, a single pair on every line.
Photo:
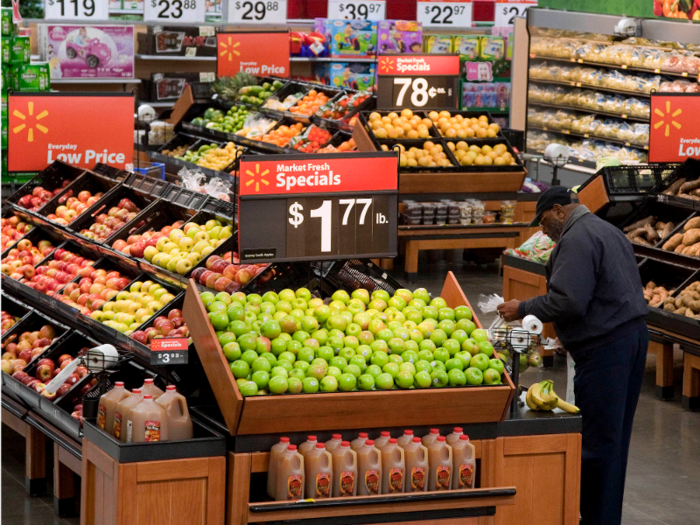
[508,10]
[76,10]
[257,11]
[191,11]
[356,9]
[445,13]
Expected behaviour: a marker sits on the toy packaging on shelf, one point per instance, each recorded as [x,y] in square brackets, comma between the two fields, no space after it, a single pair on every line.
[353,38]
[352,76]
[178,41]
[311,45]
[126,7]
[399,36]
[438,43]
[169,86]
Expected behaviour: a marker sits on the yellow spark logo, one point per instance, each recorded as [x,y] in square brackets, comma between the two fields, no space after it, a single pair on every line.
[230,49]
[260,179]
[23,117]
[672,115]
[386,65]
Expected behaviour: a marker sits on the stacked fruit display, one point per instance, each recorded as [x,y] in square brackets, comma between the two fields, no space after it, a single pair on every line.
[213,156]
[107,223]
[20,349]
[230,123]
[294,343]
[461,127]
[310,103]
[406,126]
[20,261]
[12,229]
[7,321]
[172,325]
[312,140]
[431,155]
[40,196]
[348,145]
[139,242]
[222,275]
[130,309]
[94,289]
[69,207]
[497,155]
[282,135]
[65,266]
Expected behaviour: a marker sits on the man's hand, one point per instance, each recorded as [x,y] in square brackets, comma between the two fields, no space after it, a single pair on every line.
[509,311]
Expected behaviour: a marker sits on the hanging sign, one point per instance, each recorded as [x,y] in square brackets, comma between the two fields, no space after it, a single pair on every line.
[674,129]
[444,13]
[261,53]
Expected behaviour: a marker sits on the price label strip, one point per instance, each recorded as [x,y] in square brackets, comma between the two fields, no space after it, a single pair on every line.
[181,11]
[356,9]
[169,351]
[508,10]
[257,12]
[445,13]
[87,10]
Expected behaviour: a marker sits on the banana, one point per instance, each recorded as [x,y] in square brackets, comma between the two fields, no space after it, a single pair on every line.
[568,407]
[528,399]
[536,395]
[548,395]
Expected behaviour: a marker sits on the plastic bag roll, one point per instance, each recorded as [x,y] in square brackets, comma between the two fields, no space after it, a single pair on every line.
[532,324]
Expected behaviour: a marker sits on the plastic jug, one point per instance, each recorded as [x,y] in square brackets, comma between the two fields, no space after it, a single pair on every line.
[440,458]
[275,453]
[308,445]
[356,444]
[121,413]
[175,406]
[344,471]
[150,389]
[334,442]
[406,438]
[146,422]
[108,405]
[290,475]
[464,461]
[417,466]
[382,440]
[319,472]
[453,437]
[369,468]
[393,467]
[432,436]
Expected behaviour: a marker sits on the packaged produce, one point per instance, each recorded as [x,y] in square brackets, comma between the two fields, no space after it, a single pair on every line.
[177,413]
[281,135]
[440,459]
[344,470]
[417,466]
[369,469]
[289,475]
[399,36]
[284,105]
[356,38]
[311,140]
[256,125]
[464,461]
[537,248]
[146,422]
[393,468]
[318,463]
[275,452]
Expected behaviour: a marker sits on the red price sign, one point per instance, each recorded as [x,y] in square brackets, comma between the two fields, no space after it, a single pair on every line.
[169,351]
[264,53]
[674,129]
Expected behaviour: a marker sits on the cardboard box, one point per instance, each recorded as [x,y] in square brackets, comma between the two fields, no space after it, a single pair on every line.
[399,36]
[169,86]
[19,50]
[438,43]
[8,27]
[31,77]
[352,76]
[355,38]
[179,41]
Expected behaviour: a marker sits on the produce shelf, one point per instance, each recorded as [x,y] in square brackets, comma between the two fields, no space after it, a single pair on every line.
[176,58]
[588,110]
[589,86]
[588,136]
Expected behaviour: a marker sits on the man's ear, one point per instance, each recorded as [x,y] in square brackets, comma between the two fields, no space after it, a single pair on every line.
[558,210]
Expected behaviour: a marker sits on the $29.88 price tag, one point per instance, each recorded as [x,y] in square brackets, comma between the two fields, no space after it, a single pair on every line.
[445,13]
[191,11]
[508,10]
[76,10]
[356,9]
[257,11]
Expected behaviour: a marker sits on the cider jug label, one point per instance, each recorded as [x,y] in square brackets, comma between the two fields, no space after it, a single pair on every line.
[101,416]
[395,480]
[323,485]
[117,425]
[152,431]
[466,476]
[442,478]
[294,486]
[417,479]
[372,482]
[129,428]
[347,483]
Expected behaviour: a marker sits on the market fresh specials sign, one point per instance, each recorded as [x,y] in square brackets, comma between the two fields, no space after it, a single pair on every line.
[316,207]
[674,132]
[258,53]
[78,129]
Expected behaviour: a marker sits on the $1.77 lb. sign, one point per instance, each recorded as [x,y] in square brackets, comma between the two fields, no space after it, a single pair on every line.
[294,208]
[257,12]
[191,11]
[356,9]
[76,10]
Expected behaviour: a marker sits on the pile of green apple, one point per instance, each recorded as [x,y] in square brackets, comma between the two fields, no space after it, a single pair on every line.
[292,342]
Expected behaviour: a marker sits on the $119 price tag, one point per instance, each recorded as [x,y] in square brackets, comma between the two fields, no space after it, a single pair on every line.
[190,11]
[508,10]
[445,13]
[257,12]
[356,9]
[76,10]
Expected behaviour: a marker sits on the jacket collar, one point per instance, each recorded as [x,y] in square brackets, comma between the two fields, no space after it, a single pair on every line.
[578,212]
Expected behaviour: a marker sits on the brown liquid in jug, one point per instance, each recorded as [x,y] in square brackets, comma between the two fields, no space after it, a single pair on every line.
[417,466]
[406,438]
[344,471]
[454,436]
[432,436]
[177,414]
[464,461]
[334,442]
[290,475]
[319,472]
[382,440]
[308,445]
[357,443]
[440,459]
[275,452]
[108,405]
[121,413]
[150,389]
[369,469]
[147,422]
[393,467]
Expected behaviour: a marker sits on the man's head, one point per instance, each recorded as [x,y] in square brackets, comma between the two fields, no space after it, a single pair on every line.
[553,208]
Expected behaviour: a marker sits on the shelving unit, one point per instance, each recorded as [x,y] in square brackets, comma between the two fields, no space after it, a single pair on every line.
[588,110]
[95,81]
[176,58]
[565,83]
[588,136]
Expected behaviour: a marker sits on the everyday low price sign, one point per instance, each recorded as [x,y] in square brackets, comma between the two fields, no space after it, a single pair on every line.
[298,208]
[261,53]
[674,130]
[78,129]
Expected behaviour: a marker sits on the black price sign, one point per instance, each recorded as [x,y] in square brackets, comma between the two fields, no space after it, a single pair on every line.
[304,208]
[166,352]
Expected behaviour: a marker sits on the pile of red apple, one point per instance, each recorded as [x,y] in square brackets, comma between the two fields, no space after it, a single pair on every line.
[65,266]
[18,350]
[94,289]
[135,245]
[223,276]
[40,196]
[163,327]
[7,321]
[70,207]
[12,229]
[20,261]
[107,223]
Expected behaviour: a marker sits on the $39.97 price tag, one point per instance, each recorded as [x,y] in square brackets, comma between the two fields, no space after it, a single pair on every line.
[444,13]
[508,10]
[356,9]
[257,12]
[76,10]
[190,11]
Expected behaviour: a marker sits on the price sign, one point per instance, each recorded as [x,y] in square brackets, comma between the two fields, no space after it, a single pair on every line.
[356,9]
[508,10]
[293,208]
[76,10]
[261,53]
[257,12]
[445,13]
[169,351]
[674,130]
[190,11]
[418,81]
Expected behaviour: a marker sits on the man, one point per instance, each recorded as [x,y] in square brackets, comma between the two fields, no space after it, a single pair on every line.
[595,300]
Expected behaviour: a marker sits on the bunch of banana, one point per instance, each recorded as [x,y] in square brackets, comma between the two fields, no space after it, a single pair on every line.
[541,396]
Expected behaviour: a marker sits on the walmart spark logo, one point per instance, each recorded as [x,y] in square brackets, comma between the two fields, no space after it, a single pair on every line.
[26,121]
[386,65]
[229,48]
[668,113]
[260,177]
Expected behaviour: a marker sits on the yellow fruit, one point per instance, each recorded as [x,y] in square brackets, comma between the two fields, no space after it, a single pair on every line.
[424,161]
[488,160]
[451,133]
[412,134]
[445,114]
[469,132]
[467,160]
[406,113]
[380,133]
[481,133]
[490,133]
[451,146]
[412,163]
[433,115]
[374,116]
[475,148]
[499,161]
[429,144]
[479,160]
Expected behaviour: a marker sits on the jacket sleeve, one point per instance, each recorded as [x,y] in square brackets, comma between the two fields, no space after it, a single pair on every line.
[571,285]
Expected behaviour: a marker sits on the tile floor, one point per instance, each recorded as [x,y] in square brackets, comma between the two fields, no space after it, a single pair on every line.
[664,467]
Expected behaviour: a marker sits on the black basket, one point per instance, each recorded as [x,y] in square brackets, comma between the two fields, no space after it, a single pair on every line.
[145,184]
[418,143]
[355,273]
[51,179]
[515,138]
[690,171]
[37,234]
[184,197]
[111,172]
[491,167]
[279,276]
[14,307]
[662,212]
[638,179]
[673,277]
[31,322]
[339,138]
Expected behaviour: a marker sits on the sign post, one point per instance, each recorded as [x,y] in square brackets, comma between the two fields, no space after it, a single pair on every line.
[329,207]
[674,129]
[261,53]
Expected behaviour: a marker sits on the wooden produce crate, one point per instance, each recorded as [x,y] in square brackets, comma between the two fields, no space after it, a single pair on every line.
[341,410]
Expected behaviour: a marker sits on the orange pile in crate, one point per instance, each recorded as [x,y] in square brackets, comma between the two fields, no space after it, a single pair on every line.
[310,104]
[282,135]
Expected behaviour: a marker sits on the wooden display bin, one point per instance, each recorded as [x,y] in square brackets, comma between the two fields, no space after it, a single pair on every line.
[341,410]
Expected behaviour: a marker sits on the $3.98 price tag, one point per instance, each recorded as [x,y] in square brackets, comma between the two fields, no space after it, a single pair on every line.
[169,351]
[191,11]
[356,9]
[76,10]
[508,10]
[257,12]
[445,13]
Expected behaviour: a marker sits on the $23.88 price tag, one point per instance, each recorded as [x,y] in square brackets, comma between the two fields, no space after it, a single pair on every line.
[508,10]
[356,9]
[76,10]
[257,11]
[445,13]
[191,11]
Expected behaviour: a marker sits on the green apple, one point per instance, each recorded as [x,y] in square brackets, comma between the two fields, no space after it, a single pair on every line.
[439,378]
[480,361]
[329,384]
[309,385]
[232,351]
[474,376]
[479,335]
[384,381]
[422,379]
[347,382]
[278,384]
[240,369]
[456,377]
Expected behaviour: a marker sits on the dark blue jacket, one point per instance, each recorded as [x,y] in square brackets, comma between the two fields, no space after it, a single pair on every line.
[594,291]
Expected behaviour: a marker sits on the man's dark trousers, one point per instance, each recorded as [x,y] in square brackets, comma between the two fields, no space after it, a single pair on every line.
[607,385]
